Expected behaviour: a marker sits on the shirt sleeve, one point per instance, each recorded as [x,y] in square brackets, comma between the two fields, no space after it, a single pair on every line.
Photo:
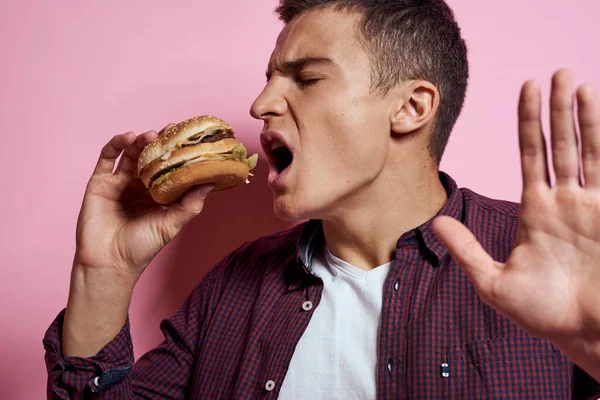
[162,373]
[102,376]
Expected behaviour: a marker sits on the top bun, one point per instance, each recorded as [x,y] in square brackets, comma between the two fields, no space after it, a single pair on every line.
[178,134]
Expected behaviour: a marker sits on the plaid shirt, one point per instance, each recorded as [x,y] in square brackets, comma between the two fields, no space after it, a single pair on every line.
[236,333]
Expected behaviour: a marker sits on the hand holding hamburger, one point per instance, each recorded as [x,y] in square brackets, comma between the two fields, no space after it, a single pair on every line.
[123,222]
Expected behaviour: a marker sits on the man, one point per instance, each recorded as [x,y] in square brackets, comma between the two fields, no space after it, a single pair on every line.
[364,300]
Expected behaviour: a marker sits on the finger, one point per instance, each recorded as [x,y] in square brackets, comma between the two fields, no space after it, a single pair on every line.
[129,160]
[589,126]
[128,163]
[464,248]
[111,151]
[534,162]
[564,139]
[178,215]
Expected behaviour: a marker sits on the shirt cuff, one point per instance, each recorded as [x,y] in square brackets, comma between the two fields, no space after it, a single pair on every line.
[73,375]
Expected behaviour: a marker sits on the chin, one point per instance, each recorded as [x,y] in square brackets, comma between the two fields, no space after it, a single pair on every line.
[290,208]
[284,208]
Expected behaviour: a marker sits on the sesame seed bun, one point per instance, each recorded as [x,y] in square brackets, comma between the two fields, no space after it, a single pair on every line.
[180,158]
[176,135]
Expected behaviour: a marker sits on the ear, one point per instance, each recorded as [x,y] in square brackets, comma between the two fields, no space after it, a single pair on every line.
[416,106]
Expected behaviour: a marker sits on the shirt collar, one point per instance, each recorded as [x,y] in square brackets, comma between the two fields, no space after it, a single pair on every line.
[312,234]
[310,238]
[452,208]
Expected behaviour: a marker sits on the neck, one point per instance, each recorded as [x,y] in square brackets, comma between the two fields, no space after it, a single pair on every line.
[366,233]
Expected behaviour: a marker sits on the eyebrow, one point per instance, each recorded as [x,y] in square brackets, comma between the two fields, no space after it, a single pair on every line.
[299,64]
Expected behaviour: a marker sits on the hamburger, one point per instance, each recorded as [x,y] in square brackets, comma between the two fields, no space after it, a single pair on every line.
[200,150]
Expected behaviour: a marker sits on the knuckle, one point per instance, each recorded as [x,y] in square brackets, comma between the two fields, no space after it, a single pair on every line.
[590,155]
[560,105]
[165,234]
[589,125]
[179,217]
[563,144]
[470,252]
[530,149]
[190,211]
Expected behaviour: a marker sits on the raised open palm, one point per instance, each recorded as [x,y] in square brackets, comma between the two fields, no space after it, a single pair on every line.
[550,284]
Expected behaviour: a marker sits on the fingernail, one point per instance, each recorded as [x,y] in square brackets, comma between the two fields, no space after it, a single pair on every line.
[204,190]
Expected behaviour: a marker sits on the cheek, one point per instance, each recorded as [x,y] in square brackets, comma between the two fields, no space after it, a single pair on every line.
[345,160]
[363,137]
[343,135]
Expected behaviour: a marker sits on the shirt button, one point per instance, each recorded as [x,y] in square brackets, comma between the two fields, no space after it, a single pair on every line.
[307,306]
[97,381]
[389,367]
[270,386]
[397,286]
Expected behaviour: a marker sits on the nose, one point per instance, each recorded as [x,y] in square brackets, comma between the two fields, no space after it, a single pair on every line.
[269,103]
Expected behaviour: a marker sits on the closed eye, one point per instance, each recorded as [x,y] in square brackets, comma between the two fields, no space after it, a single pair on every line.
[307,82]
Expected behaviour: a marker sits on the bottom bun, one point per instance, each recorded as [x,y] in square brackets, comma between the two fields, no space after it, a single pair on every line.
[223,174]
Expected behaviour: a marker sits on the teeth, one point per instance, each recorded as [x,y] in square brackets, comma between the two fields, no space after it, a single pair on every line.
[276,145]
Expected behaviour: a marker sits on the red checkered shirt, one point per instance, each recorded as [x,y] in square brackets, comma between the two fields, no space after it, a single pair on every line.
[235,335]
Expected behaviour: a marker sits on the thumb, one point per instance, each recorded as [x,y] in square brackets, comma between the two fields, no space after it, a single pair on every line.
[464,248]
[190,205]
[192,202]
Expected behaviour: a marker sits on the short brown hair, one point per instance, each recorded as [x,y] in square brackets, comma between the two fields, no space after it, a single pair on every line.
[408,39]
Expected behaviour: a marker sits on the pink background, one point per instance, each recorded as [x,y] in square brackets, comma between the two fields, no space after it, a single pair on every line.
[73,75]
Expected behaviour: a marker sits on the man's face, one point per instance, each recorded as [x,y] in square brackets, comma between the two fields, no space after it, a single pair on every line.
[318,103]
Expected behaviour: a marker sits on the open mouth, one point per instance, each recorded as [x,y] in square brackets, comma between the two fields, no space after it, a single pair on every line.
[279,152]
[282,157]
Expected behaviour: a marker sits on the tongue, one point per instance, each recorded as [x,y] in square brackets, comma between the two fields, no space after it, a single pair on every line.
[283,158]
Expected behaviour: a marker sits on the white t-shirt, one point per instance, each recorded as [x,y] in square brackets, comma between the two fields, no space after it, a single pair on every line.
[336,357]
